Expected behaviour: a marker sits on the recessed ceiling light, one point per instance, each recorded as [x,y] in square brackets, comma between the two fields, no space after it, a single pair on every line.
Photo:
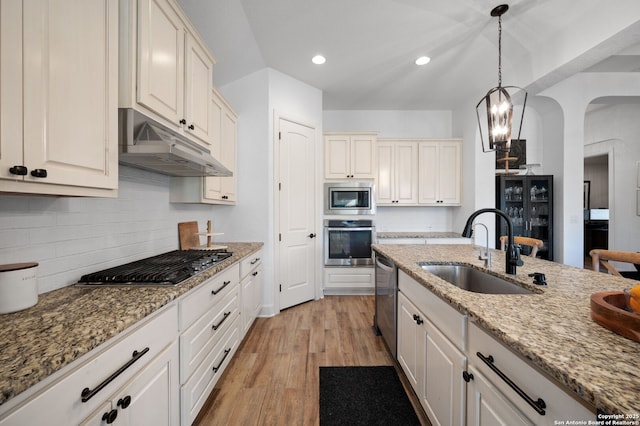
[423,60]
[318,59]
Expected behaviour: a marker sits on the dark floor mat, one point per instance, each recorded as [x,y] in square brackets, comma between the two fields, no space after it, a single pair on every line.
[363,396]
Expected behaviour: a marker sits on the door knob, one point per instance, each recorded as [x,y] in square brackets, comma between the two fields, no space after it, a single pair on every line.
[312,235]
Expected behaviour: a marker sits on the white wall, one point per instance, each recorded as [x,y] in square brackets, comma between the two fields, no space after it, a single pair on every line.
[70,237]
[256,98]
[616,129]
[573,95]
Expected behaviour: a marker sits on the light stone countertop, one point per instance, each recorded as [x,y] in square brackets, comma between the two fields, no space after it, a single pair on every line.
[551,328]
[417,234]
[69,322]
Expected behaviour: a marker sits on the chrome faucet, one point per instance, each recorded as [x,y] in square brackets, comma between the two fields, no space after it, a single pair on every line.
[513,252]
[487,254]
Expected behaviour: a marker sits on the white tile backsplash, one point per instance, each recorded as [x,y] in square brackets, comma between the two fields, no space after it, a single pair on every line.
[70,236]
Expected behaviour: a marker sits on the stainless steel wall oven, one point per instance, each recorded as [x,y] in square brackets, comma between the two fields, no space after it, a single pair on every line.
[348,242]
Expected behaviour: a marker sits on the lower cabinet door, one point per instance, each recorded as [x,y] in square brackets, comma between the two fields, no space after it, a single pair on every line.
[408,336]
[150,398]
[444,391]
[487,405]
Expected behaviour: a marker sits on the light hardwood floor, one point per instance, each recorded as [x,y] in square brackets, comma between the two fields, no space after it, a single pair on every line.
[273,377]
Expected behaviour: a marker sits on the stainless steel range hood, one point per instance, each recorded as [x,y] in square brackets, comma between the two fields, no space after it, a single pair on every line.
[146,144]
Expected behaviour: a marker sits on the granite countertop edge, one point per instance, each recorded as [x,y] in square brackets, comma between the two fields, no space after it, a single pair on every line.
[551,328]
[69,322]
[416,234]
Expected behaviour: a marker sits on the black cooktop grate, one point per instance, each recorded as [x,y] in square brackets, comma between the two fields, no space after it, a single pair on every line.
[164,269]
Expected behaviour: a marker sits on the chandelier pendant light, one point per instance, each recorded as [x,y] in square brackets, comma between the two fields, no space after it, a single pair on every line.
[497,105]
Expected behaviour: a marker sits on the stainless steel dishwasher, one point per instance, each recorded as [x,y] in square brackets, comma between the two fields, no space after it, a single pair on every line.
[385,318]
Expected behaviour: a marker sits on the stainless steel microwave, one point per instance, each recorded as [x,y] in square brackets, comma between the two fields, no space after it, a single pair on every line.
[349,198]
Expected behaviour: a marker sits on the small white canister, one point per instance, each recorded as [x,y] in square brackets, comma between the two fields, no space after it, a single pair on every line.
[18,286]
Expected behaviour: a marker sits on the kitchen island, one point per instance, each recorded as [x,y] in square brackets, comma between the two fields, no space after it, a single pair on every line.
[550,328]
[68,323]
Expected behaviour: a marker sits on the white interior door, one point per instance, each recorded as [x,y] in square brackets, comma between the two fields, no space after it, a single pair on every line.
[296,207]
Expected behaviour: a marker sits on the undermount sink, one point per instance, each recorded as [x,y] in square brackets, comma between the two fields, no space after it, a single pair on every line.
[471,279]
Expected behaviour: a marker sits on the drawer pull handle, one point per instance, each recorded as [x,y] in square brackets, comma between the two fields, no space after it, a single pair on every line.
[255,274]
[226,315]
[87,393]
[256,260]
[224,284]
[538,405]
[217,367]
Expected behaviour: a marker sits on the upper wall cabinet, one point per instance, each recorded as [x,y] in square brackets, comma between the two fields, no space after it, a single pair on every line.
[58,109]
[440,172]
[350,155]
[165,69]
[397,182]
[213,189]
[419,172]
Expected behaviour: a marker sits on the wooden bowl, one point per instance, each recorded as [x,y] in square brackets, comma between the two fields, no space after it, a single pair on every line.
[609,310]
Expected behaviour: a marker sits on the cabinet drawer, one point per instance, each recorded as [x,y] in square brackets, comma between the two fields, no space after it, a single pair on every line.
[450,322]
[62,403]
[559,403]
[207,295]
[196,390]
[250,262]
[196,343]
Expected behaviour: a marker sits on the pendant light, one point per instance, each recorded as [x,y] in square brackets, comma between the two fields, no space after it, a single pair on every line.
[497,105]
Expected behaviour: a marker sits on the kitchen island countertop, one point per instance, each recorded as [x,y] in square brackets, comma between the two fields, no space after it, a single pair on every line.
[551,328]
[417,234]
[69,322]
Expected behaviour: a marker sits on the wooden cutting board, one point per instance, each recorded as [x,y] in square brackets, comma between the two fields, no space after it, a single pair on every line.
[188,232]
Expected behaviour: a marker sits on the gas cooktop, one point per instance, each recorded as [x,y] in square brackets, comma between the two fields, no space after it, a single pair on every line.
[170,268]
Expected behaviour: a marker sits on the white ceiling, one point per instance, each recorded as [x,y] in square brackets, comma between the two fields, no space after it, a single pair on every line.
[371,45]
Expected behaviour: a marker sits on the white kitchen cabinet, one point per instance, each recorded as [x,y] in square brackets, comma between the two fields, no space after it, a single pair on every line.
[440,172]
[251,273]
[348,280]
[431,362]
[210,318]
[150,398]
[397,178]
[141,363]
[213,189]
[350,155]
[58,110]
[492,395]
[410,335]
[165,68]
[487,406]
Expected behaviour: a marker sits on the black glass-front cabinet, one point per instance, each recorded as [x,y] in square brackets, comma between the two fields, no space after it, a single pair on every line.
[528,200]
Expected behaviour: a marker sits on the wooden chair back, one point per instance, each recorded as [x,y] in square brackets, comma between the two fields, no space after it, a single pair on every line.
[602,257]
[534,243]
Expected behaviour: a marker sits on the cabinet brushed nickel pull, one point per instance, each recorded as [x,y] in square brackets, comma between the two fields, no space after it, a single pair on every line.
[217,367]
[224,284]
[87,393]
[216,326]
[538,405]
